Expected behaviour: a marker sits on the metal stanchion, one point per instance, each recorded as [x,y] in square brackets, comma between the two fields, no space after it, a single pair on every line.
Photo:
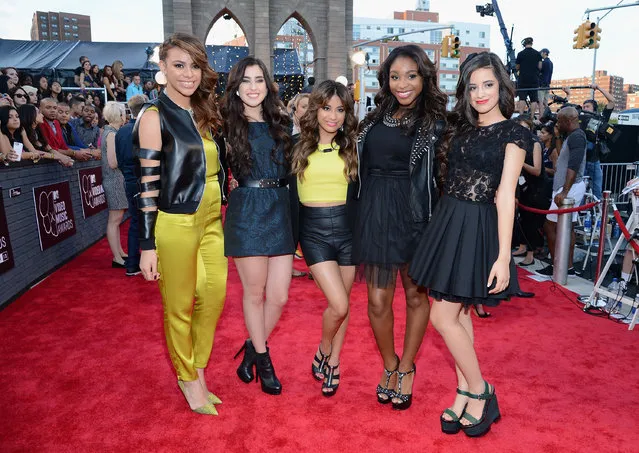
[602,232]
[562,244]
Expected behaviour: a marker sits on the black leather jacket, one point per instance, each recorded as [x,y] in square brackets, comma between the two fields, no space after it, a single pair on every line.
[182,167]
[423,190]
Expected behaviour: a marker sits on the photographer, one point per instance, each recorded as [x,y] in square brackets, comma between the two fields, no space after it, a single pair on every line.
[595,144]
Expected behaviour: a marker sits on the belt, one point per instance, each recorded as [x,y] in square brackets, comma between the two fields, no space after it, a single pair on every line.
[262,183]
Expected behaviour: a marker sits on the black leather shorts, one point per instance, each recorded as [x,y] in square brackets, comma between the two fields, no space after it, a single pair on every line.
[325,235]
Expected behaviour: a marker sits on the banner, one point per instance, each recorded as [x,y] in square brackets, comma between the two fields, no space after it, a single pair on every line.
[6,255]
[91,191]
[54,213]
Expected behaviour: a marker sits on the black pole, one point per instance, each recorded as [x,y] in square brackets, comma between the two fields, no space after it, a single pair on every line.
[510,52]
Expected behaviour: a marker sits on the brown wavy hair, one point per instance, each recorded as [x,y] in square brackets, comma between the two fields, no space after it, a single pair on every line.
[204,99]
[431,103]
[346,137]
[464,118]
[236,124]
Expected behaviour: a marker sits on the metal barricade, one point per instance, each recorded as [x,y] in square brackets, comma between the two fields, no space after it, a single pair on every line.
[615,177]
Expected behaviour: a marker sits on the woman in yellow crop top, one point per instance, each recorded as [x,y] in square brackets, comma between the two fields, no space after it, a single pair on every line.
[325,165]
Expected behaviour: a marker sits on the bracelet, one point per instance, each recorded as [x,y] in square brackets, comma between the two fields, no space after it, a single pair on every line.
[52,155]
[73,153]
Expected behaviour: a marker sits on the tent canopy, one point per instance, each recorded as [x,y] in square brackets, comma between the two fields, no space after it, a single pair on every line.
[65,55]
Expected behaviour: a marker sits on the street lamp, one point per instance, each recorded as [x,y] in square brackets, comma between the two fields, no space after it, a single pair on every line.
[359,59]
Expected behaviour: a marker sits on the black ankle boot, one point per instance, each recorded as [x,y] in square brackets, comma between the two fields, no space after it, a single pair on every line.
[266,373]
[245,370]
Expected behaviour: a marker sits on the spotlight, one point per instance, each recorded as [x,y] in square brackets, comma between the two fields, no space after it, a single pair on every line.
[485,10]
[227,16]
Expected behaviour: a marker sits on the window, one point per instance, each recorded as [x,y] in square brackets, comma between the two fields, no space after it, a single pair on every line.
[44,33]
[481,44]
[379,28]
[390,30]
[54,25]
[402,30]
[73,19]
[75,27]
[75,35]
[482,34]
[66,20]
[468,32]
[442,64]
[67,27]
[368,27]
[43,25]
[43,17]
[55,33]
[54,17]
[467,43]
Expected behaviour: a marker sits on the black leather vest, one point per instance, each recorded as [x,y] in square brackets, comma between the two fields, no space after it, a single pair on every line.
[183,162]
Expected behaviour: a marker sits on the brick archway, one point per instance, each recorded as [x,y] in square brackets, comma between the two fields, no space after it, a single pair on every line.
[328,22]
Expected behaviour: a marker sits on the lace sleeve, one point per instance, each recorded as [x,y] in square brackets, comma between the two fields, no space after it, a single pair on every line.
[522,137]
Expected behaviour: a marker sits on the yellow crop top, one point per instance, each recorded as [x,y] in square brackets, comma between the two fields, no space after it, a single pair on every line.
[324,179]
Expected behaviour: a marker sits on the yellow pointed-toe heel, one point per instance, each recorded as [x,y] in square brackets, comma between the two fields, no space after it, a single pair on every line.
[214,399]
[208,408]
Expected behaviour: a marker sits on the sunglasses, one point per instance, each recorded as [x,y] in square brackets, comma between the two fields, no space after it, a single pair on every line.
[20,95]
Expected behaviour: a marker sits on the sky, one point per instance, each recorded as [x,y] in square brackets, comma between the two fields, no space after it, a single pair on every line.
[549,22]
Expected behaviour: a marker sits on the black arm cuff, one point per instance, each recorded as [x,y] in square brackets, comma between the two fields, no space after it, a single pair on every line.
[147,221]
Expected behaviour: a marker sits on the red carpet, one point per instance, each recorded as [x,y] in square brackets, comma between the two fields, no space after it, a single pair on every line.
[84,368]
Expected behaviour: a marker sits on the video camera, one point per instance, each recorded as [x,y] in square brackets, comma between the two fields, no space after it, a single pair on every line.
[591,123]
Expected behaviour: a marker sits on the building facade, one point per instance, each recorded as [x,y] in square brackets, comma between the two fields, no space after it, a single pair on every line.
[473,38]
[60,26]
[329,24]
[611,83]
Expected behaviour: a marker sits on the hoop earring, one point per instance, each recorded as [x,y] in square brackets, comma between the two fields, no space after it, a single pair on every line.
[160,78]
[237,93]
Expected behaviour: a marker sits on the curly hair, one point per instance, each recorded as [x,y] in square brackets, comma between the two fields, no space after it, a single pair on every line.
[236,123]
[204,100]
[464,118]
[431,102]
[345,138]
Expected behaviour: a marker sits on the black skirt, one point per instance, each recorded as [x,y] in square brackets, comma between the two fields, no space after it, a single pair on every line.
[385,236]
[457,251]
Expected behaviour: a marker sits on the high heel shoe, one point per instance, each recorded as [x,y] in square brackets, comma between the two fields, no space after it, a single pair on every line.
[213,399]
[452,426]
[266,374]
[489,415]
[328,381]
[390,393]
[485,314]
[245,370]
[322,361]
[207,409]
[406,398]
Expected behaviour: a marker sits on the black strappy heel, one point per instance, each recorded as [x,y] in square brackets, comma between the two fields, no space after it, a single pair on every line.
[452,426]
[328,381]
[407,399]
[320,362]
[390,393]
[489,415]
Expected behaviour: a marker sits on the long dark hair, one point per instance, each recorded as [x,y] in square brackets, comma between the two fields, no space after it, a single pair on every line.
[431,103]
[28,114]
[346,137]
[464,118]
[4,121]
[204,100]
[236,123]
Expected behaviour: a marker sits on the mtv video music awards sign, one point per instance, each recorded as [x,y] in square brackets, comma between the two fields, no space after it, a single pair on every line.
[6,255]
[54,213]
[91,191]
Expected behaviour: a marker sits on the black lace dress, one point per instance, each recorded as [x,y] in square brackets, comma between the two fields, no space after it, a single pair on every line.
[461,243]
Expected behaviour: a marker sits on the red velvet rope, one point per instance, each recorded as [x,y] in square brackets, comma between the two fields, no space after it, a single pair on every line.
[559,211]
[624,230]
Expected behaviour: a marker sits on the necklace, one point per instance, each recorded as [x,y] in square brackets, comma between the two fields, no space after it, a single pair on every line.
[405,121]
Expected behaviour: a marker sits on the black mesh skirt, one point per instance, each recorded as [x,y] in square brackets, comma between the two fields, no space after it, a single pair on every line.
[457,251]
[385,236]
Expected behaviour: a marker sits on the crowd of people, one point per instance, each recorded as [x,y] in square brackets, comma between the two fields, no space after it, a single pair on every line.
[411,193]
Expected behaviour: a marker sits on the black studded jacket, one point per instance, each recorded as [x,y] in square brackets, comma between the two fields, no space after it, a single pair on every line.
[422,169]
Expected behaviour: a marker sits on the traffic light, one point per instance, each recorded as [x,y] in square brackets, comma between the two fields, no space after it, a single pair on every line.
[454,47]
[595,38]
[445,46]
[589,34]
[579,35]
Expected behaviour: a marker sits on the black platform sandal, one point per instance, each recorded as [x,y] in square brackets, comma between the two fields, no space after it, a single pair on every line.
[328,381]
[489,415]
[390,393]
[320,361]
[407,399]
[452,426]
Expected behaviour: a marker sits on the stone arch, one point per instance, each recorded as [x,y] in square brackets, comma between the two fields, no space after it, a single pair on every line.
[220,15]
